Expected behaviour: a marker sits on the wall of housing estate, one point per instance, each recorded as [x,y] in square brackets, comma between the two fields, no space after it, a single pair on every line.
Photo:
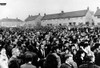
[10,24]
[64,21]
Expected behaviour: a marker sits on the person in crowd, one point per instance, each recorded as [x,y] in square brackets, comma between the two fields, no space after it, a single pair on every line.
[28,61]
[90,63]
[69,63]
[81,42]
[14,61]
[52,61]
[3,59]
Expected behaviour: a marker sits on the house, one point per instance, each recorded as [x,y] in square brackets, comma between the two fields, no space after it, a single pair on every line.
[10,22]
[32,21]
[68,18]
[97,16]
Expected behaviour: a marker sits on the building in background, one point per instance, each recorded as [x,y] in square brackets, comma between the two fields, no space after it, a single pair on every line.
[9,22]
[32,21]
[97,16]
[68,18]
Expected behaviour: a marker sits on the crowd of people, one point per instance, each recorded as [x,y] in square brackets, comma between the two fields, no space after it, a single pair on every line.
[56,48]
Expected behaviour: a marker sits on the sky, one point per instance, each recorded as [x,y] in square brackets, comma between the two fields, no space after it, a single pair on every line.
[22,8]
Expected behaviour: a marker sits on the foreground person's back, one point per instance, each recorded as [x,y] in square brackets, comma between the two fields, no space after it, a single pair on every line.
[52,61]
[28,62]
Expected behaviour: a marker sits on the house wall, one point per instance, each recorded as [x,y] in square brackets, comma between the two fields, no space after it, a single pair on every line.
[33,23]
[87,18]
[10,24]
[96,20]
[65,21]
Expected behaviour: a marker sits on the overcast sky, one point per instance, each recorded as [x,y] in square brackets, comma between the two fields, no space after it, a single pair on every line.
[22,8]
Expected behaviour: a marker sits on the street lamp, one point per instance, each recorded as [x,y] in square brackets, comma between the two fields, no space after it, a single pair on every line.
[2,4]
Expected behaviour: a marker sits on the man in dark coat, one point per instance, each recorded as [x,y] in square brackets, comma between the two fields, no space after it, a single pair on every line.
[90,63]
[68,62]
[13,61]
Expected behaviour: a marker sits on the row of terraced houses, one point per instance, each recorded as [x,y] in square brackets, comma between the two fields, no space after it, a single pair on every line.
[64,18]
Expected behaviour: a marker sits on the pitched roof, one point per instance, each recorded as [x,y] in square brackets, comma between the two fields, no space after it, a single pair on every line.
[31,18]
[10,20]
[97,13]
[72,14]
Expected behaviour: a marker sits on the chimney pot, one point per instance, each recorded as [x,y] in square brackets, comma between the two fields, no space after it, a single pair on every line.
[97,7]
[62,11]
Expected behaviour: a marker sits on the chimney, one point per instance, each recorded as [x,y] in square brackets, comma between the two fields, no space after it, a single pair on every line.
[97,8]
[29,16]
[17,18]
[7,17]
[62,11]
[44,14]
[87,8]
[39,14]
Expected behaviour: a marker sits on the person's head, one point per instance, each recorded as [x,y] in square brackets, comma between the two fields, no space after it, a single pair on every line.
[68,57]
[42,46]
[74,51]
[73,47]
[15,52]
[52,61]
[57,41]
[58,50]
[67,50]
[66,44]
[28,57]
[82,54]
[3,51]
[90,59]
[44,42]
[74,37]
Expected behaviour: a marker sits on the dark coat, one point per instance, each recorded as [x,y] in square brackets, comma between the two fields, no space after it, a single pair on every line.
[34,57]
[13,63]
[74,64]
[97,59]
[65,65]
[89,65]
